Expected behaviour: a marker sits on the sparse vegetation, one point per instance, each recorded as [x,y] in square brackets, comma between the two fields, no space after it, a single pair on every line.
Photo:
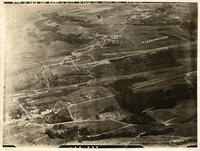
[92,72]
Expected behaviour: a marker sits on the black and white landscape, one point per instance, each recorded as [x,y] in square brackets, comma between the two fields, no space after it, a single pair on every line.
[101,74]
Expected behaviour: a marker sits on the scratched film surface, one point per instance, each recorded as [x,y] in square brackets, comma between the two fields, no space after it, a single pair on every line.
[101,73]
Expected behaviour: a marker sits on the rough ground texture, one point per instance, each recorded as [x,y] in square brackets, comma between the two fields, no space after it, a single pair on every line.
[101,73]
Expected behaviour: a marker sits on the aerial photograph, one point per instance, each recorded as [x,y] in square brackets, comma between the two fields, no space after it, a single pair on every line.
[100,73]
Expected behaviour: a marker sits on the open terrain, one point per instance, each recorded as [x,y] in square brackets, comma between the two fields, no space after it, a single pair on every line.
[101,73]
